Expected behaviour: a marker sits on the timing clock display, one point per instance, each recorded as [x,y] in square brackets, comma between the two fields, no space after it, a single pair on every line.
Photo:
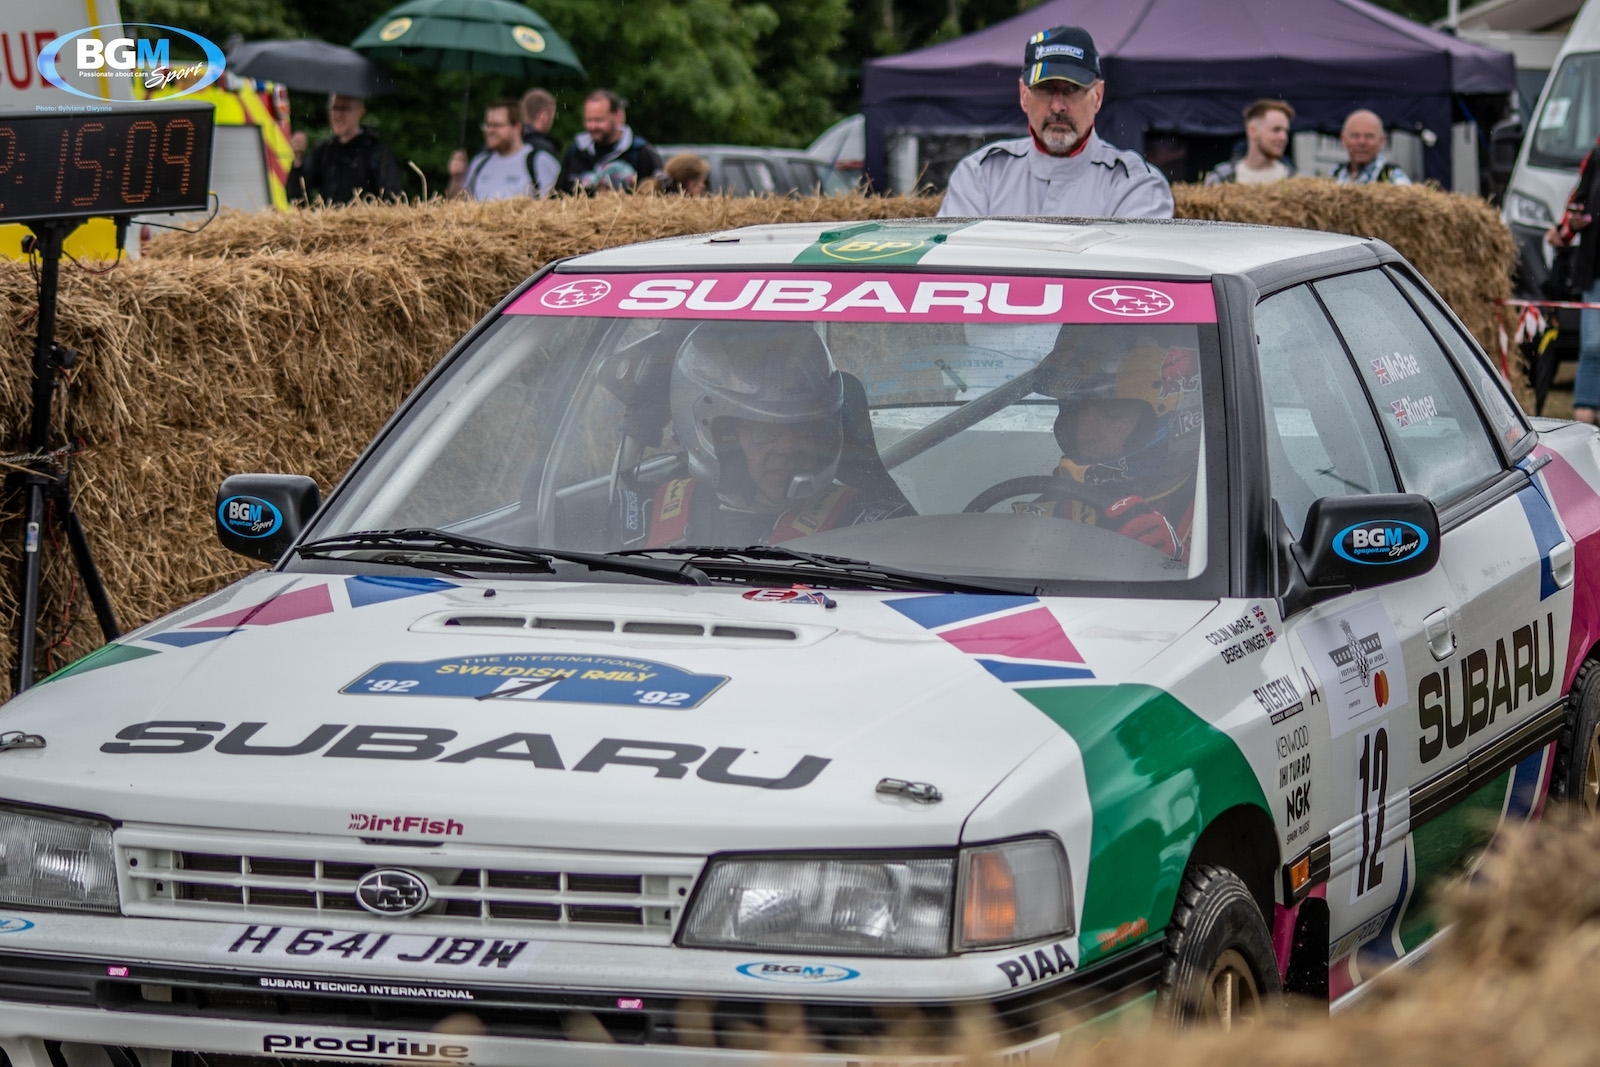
[135,159]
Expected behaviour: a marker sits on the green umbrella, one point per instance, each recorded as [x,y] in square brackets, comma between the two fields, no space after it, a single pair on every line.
[492,36]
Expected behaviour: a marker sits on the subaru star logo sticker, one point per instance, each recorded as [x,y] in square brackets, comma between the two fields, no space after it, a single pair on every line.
[392,893]
[575,294]
[1133,301]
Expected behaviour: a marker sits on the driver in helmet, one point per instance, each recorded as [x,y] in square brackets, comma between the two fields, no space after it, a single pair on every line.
[1123,436]
[757,411]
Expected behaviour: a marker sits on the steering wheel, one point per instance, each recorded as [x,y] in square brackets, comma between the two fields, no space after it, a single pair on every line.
[1048,486]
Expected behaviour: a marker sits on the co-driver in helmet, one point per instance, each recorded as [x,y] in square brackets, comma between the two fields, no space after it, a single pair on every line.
[757,411]
[1128,431]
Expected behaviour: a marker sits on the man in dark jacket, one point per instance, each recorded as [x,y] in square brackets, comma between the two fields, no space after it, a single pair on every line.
[538,115]
[1577,227]
[350,164]
[607,154]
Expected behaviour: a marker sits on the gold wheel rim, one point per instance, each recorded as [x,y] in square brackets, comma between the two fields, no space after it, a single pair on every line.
[1591,775]
[1231,995]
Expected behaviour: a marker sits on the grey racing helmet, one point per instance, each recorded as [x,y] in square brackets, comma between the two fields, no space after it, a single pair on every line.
[779,372]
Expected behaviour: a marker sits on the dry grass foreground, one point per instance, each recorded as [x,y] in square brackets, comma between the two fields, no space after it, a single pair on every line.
[283,342]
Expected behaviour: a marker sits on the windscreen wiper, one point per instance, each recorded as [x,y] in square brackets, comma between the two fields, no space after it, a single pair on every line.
[775,561]
[451,553]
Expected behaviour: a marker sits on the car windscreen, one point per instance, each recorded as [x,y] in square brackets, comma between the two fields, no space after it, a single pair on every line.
[1569,121]
[1043,429]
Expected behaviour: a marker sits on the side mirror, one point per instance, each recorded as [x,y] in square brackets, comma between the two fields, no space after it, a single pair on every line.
[1505,141]
[260,515]
[1358,542]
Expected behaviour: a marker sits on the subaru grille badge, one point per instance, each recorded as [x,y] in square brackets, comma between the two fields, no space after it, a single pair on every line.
[392,893]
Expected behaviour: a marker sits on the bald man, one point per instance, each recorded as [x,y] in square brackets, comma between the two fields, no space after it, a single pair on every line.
[1363,141]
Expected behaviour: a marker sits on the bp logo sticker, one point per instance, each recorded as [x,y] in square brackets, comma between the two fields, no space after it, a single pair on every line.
[875,243]
[867,248]
[1381,542]
[249,516]
[570,679]
[798,973]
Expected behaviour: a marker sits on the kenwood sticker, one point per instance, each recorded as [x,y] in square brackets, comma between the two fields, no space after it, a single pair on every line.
[568,679]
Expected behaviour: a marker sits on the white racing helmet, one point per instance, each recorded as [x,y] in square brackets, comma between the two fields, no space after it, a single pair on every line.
[779,373]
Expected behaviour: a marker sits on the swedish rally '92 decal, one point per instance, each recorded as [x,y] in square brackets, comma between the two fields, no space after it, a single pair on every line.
[564,678]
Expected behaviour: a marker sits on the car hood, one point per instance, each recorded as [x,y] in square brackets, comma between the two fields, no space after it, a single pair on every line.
[617,716]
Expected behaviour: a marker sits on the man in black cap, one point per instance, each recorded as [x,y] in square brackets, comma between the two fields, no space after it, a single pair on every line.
[1062,167]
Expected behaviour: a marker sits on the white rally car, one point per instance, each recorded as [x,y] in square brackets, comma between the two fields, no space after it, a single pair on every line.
[837,631]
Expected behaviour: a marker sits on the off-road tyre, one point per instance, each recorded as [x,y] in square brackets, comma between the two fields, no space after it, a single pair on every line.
[1576,776]
[1219,968]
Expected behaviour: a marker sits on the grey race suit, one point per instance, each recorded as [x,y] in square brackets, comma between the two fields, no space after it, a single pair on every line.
[1015,178]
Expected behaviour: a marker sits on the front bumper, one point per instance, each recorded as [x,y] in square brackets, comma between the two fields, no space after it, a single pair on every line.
[226,1013]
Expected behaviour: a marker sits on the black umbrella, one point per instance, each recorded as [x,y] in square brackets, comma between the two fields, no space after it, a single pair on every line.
[311,67]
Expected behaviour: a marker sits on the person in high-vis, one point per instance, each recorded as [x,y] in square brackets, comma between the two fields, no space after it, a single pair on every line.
[1062,168]
[758,411]
[1127,424]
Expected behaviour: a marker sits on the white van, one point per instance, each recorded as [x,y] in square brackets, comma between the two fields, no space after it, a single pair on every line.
[1565,126]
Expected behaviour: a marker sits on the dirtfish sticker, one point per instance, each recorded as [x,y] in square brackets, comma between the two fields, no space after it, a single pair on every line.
[1357,656]
[563,678]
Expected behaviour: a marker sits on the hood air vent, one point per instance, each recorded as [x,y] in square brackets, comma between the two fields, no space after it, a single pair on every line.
[651,627]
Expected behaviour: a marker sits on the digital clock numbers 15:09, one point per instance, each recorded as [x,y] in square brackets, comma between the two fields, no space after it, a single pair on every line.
[126,162]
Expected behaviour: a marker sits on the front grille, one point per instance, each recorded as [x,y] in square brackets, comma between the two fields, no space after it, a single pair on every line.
[525,894]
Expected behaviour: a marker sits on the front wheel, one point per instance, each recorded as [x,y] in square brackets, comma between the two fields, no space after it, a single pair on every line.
[1219,970]
[1577,771]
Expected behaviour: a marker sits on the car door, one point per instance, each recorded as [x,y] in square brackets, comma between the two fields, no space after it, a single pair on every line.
[1508,563]
[1357,655]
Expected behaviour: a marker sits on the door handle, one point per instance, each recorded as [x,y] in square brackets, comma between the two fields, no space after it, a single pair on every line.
[1441,639]
[1562,560]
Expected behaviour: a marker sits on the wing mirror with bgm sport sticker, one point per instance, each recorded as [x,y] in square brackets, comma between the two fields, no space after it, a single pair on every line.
[260,515]
[1358,542]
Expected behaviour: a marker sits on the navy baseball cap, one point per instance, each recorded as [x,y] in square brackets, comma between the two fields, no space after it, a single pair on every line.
[1061,52]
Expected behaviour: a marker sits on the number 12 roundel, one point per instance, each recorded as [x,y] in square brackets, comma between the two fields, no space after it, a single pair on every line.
[571,679]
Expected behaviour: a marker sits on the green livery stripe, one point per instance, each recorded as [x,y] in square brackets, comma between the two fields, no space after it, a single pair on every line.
[872,242]
[1447,847]
[1157,775]
[104,656]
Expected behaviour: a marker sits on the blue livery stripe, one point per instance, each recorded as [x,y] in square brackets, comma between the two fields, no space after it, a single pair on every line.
[1546,533]
[367,589]
[941,609]
[1007,671]
[185,638]
[1524,793]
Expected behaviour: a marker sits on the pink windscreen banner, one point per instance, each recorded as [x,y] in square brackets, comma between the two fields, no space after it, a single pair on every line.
[861,297]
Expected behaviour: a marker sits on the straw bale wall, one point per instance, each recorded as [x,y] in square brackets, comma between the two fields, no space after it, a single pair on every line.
[283,342]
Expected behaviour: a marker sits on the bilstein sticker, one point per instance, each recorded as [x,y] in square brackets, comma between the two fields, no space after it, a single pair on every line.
[1380,542]
[798,973]
[569,679]
[249,516]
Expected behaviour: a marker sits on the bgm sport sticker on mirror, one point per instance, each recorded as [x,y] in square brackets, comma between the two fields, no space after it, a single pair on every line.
[1379,542]
[1357,656]
[569,679]
[249,516]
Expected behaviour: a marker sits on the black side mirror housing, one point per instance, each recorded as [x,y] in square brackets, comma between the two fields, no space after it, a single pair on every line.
[1359,542]
[1505,141]
[261,515]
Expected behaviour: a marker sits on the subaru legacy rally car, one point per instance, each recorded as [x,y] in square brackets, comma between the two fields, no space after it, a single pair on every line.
[841,632]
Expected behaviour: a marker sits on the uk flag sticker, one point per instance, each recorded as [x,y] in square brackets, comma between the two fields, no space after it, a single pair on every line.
[1015,638]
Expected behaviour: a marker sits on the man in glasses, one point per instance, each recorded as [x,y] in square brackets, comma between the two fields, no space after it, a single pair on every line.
[351,163]
[1062,167]
[505,166]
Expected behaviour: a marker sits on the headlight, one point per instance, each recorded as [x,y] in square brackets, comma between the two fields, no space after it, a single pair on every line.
[60,862]
[885,905]
[1527,211]
[871,906]
[1014,892]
